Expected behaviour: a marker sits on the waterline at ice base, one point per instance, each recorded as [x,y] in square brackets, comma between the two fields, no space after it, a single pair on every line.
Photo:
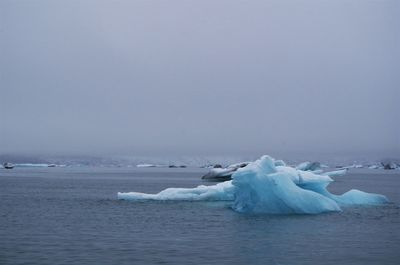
[270,186]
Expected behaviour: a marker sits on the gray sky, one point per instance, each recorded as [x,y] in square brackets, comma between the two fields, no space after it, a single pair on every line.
[199,77]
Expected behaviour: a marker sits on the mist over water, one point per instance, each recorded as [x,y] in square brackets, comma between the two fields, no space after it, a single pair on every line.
[176,78]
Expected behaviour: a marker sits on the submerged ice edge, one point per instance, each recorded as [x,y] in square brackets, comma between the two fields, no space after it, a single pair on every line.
[269,186]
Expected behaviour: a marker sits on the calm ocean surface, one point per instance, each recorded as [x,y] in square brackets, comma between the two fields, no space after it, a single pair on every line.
[72,216]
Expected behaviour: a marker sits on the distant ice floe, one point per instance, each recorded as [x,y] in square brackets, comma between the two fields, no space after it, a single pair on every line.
[145,165]
[352,166]
[152,165]
[269,186]
[389,165]
[37,165]
[31,165]
[8,165]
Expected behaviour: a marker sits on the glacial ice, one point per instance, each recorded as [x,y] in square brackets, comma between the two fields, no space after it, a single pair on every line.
[269,186]
[340,172]
[223,174]
[221,192]
[31,165]
[145,165]
[309,166]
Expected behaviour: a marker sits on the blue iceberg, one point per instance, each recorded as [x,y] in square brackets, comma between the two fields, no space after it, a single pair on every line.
[269,186]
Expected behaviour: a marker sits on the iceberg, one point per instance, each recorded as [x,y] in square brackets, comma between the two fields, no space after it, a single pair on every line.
[309,166]
[269,186]
[263,187]
[223,174]
[388,165]
[219,174]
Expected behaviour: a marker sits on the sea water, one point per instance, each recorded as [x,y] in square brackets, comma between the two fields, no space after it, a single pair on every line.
[72,216]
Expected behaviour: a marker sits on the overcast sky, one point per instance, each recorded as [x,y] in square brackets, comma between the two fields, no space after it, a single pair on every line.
[199,77]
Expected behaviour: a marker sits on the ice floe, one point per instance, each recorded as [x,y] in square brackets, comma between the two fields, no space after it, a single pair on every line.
[269,186]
